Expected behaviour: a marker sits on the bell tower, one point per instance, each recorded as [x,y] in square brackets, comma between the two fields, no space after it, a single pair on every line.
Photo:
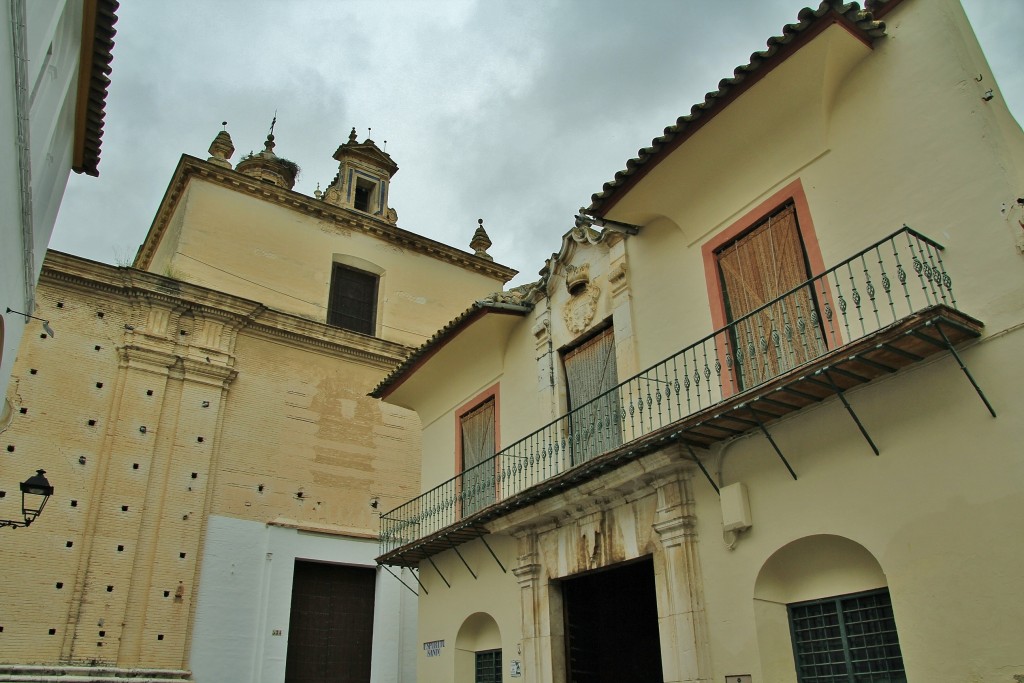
[364,176]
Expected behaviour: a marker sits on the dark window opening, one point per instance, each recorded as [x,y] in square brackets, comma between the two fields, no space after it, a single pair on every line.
[364,192]
[352,304]
[847,638]
[611,625]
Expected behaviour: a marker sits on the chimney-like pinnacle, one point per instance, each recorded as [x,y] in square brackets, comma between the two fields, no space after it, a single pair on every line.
[481,242]
[222,148]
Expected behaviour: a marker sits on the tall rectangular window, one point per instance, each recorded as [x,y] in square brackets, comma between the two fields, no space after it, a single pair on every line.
[849,638]
[352,304]
[478,447]
[591,376]
[770,333]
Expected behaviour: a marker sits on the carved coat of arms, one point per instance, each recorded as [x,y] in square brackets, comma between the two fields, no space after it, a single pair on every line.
[579,310]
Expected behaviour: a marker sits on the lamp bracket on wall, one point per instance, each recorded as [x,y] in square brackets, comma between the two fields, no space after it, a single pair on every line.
[46,323]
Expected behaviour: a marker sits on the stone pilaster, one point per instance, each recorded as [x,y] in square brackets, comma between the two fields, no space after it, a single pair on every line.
[681,618]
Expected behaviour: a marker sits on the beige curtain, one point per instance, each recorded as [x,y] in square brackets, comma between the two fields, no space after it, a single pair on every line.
[478,483]
[758,268]
[590,373]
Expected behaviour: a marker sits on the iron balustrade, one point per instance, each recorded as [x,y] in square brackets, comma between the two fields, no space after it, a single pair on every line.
[889,280]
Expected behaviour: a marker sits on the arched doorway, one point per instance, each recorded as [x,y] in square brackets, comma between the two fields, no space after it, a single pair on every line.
[478,650]
[823,613]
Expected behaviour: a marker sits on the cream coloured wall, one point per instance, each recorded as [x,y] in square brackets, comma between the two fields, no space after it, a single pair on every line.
[308,417]
[881,137]
[934,509]
[204,406]
[444,611]
[282,257]
[888,159]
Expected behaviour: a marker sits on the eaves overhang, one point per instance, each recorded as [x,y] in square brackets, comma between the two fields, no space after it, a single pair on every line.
[98,19]
[811,23]
[408,367]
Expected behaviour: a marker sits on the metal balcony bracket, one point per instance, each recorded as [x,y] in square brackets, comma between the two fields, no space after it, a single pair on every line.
[462,558]
[768,436]
[399,579]
[703,469]
[431,558]
[963,367]
[488,546]
[849,409]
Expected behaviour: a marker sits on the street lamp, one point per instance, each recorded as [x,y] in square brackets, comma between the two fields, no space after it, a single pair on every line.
[35,491]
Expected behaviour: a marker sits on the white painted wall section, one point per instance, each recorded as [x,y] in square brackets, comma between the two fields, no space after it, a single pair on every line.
[245,596]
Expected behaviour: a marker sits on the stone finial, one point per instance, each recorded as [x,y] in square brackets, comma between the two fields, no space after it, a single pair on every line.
[317,192]
[481,242]
[222,148]
[268,146]
[352,135]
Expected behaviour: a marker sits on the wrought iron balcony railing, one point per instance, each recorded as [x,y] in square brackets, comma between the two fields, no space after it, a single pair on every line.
[874,290]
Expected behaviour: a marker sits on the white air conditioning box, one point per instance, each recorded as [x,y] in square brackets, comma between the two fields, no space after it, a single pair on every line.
[735,507]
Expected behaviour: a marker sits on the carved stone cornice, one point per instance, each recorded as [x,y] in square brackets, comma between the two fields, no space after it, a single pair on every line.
[218,316]
[341,217]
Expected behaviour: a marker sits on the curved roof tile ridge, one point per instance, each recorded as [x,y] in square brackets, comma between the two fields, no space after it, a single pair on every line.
[858,19]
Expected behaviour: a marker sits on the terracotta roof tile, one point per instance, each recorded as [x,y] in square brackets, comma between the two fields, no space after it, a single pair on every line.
[493,304]
[779,47]
[96,69]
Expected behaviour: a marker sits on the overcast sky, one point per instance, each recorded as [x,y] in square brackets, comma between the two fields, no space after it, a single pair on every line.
[511,111]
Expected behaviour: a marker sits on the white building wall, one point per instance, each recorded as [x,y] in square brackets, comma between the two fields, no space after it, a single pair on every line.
[51,39]
[245,596]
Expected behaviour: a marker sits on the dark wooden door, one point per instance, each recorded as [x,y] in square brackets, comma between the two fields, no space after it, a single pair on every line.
[330,633]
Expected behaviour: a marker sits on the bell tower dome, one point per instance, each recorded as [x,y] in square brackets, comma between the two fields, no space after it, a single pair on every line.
[364,176]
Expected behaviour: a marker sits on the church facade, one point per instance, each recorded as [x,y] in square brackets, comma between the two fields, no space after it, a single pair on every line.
[219,468]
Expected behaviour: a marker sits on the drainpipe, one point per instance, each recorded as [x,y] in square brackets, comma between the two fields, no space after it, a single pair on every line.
[21,108]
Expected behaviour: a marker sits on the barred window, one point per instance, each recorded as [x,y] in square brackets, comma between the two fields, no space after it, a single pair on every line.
[353,299]
[848,638]
[488,666]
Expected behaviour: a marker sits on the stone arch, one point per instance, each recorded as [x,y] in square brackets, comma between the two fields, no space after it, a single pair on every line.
[479,632]
[808,568]
[358,263]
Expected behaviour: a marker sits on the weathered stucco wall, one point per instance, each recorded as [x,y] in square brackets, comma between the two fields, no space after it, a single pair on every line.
[283,257]
[868,139]
[245,598]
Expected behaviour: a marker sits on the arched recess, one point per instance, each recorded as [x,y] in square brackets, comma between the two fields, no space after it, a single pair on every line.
[808,568]
[478,633]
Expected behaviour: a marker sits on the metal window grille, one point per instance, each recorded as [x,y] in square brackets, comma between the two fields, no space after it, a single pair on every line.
[353,300]
[849,638]
[488,666]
